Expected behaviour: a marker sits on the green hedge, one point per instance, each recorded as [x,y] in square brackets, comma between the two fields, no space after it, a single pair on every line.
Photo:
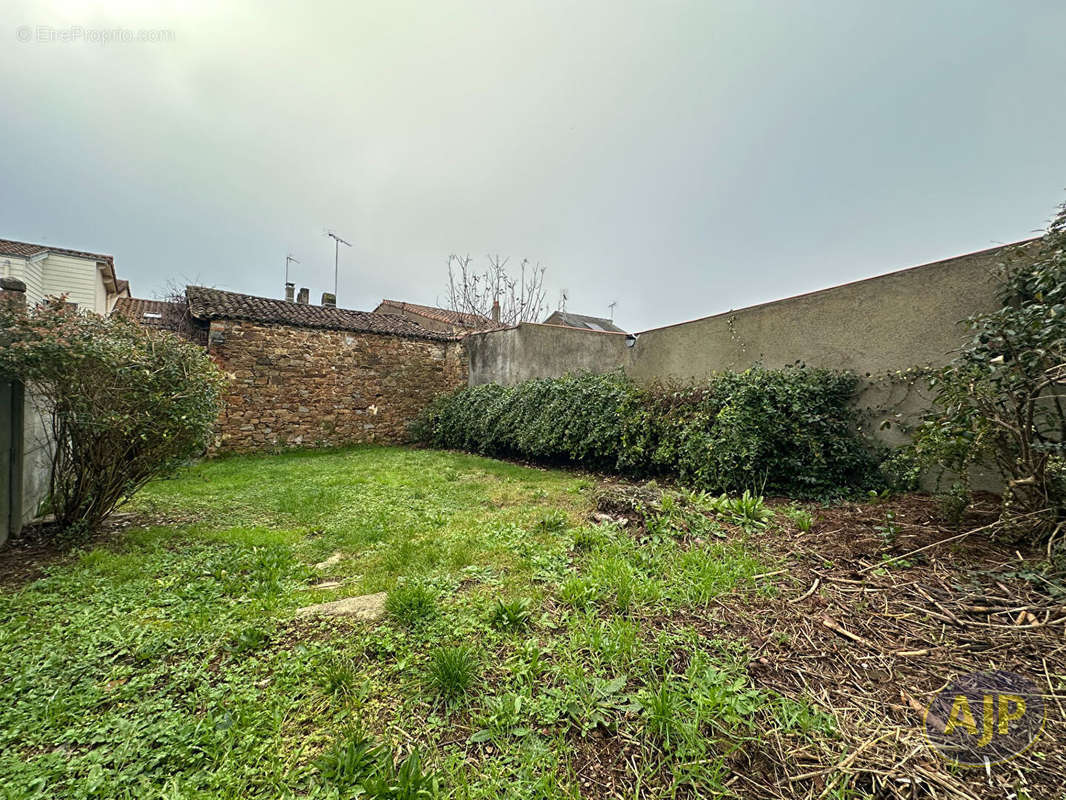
[791,431]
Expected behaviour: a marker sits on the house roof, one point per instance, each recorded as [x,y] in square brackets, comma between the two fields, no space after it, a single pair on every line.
[27,250]
[445,315]
[210,304]
[9,247]
[582,321]
[150,313]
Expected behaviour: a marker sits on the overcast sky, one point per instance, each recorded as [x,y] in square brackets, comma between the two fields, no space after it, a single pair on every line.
[679,158]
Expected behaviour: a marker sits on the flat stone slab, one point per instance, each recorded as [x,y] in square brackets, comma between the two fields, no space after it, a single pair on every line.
[325,585]
[368,607]
[329,562]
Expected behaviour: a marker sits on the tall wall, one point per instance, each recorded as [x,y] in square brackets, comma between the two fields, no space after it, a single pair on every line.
[871,327]
[891,322]
[532,350]
[291,387]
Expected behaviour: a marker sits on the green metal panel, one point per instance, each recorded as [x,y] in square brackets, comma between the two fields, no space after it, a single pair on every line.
[11,413]
[6,413]
[18,420]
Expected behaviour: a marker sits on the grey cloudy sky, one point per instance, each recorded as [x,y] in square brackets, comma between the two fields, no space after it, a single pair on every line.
[680,158]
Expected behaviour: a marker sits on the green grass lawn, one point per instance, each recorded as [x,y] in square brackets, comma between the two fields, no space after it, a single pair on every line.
[526,652]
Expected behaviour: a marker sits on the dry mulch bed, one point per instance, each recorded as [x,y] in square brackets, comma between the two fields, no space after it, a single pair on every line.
[873,642]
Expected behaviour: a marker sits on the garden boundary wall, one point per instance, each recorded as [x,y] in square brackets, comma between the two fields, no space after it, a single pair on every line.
[875,328]
[294,386]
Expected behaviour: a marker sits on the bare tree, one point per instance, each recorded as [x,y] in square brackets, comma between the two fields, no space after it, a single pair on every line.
[176,315]
[520,293]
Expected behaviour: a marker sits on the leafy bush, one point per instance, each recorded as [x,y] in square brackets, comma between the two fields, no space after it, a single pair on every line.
[998,404]
[790,430]
[127,404]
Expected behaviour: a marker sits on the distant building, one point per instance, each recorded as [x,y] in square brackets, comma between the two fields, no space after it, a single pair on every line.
[166,315]
[581,321]
[87,279]
[436,319]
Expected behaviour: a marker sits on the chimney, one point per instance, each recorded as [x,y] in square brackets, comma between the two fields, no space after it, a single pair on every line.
[496,310]
[289,289]
[13,291]
[329,300]
[304,296]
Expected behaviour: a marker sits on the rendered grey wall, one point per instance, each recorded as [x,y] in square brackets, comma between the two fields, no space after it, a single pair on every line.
[532,350]
[37,449]
[891,322]
[873,327]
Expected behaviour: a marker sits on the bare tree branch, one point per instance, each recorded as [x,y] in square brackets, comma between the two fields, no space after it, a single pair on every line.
[521,296]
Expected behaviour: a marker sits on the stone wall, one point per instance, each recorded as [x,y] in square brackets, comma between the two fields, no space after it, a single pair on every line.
[305,387]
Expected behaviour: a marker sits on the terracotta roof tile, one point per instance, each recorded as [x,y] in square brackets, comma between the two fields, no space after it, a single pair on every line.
[208,304]
[150,313]
[446,315]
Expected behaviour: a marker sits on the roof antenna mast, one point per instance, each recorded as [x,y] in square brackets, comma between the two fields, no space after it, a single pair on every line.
[611,306]
[337,242]
[289,259]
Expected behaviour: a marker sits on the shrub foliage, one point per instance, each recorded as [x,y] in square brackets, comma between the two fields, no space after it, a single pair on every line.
[126,404]
[999,405]
[789,430]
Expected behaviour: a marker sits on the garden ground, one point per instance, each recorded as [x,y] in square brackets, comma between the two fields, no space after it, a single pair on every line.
[548,635]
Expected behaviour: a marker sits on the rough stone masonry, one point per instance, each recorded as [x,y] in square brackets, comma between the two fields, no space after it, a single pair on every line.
[293,386]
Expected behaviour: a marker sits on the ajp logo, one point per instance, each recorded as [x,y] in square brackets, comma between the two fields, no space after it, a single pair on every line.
[985,717]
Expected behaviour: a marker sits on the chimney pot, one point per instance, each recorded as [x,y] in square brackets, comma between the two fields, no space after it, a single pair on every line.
[495,310]
[304,296]
[329,300]
[290,288]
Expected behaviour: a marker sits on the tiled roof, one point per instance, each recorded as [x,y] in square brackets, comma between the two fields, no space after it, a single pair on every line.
[208,304]
[582,321]
[150,313]
[446,315]
[27,250]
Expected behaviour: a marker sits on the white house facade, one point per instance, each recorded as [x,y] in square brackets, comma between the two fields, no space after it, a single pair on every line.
[87,279]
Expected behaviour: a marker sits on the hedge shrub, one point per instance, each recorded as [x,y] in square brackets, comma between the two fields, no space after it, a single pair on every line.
[125,403]
[791,431]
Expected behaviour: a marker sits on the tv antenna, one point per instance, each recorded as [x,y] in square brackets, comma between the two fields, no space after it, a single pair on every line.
[611,306]
[337,242]
[289,259]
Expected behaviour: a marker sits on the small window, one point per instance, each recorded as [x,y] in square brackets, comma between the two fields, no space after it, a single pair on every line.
[152,315]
